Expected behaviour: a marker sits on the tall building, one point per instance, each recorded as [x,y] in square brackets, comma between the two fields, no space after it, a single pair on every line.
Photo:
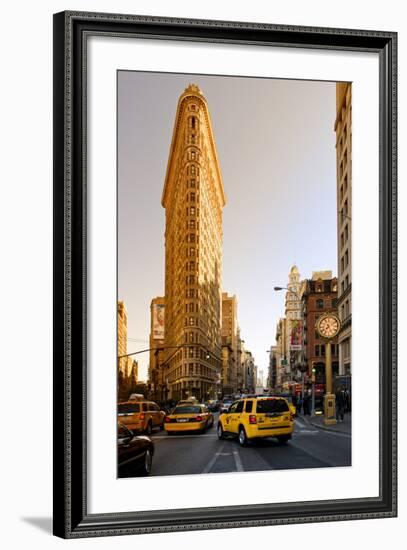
[248,371]
[281,351]
[294,328]
[343,129]
[122,339]
[229,344]
[272,368]
[239,362]
[193,198]
[127,366]
[157,331]
[320,296]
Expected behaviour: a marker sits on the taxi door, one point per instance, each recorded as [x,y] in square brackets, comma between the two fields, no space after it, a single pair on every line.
[236,416]
[227,423]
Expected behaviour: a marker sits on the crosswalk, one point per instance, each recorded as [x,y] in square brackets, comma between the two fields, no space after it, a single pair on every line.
[301,428]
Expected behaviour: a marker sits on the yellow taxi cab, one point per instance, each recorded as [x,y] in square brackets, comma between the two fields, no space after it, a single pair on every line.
[257,417]
[189,401]
[188,417]
[140,416]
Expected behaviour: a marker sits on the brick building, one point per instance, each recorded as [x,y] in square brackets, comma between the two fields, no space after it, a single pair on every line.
[320,295]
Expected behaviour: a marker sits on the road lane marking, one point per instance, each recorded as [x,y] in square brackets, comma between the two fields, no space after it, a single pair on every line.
[238,461]
[211,463]
[175,437]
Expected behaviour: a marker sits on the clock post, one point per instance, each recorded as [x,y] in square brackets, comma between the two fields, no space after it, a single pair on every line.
[328,327]
[329,399]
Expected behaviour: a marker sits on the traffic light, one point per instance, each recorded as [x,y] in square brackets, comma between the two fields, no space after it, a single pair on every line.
[313,371]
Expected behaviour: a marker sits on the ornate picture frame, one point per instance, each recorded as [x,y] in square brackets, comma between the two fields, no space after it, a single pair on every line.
[72,31]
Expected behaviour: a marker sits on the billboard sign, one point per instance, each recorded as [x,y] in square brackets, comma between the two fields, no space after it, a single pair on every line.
[158,321]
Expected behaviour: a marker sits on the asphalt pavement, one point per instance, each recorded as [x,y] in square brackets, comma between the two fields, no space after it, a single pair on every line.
[310,447]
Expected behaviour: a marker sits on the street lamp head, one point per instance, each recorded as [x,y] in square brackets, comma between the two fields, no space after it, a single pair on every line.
[278,288]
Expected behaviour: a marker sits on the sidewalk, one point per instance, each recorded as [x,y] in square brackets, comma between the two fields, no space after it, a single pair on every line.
[344,427]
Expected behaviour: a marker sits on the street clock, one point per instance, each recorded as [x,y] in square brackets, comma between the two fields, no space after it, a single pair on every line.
[328,326]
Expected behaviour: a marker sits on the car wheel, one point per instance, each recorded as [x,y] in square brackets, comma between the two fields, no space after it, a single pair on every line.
[148,461]
[242,437]
[149,428]
[283,439]
[221,434]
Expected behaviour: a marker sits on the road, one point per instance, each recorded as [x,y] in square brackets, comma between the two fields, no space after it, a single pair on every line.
[310,447]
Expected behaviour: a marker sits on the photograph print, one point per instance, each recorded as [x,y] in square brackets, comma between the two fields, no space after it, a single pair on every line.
[234,274]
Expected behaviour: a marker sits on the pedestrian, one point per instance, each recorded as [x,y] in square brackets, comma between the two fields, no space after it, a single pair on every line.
[340,405]
[299,405]
[306,404]
[347,400]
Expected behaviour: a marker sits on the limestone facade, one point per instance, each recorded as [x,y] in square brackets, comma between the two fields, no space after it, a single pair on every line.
[229,344]
[294,322]
[343,129]
[157,330]
[193,198]
[122,338]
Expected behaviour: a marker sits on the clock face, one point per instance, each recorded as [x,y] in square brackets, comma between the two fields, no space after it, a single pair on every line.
[328,326]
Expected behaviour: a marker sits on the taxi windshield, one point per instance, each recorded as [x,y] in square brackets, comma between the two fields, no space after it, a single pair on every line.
[187,409]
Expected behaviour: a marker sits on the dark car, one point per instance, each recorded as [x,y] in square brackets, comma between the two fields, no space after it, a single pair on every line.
[134,453]
[213,405]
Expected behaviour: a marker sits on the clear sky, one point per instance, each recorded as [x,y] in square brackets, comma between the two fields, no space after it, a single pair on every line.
[276,148]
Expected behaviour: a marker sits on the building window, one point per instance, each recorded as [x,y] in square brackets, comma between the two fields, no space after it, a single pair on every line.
[316,351]
[192,211]
[320,304]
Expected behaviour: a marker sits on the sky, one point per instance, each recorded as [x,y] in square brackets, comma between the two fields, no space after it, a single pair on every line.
[276,148]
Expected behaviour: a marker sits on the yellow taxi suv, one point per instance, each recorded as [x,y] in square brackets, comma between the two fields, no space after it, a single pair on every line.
[140,416]
[257,417]
[188,417]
